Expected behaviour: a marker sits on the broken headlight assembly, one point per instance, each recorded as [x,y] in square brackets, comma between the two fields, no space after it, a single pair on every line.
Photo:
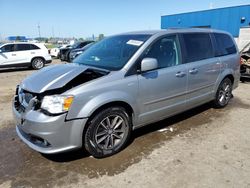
[57,104]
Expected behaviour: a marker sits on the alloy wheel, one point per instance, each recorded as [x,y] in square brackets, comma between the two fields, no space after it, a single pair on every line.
[110,132]
[225,93]
[38,63]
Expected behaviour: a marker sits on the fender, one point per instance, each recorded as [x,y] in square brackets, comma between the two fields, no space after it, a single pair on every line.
[222,75]
[105,98]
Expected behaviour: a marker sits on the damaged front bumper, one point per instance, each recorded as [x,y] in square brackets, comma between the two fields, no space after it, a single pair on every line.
[48,134]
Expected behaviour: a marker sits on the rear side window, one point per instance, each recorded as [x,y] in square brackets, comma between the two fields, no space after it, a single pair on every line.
[22,47]
[8,48]
[198,46]
[34,47]
[225,44]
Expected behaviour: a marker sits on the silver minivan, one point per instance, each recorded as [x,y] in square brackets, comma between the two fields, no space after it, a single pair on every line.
[121,83]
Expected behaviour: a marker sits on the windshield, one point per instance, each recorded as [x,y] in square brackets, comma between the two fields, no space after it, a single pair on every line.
[75,45]
[112,53]
[87,46]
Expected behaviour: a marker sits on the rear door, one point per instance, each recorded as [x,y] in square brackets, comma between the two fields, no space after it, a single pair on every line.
[7,55]
[23,53]
[35,51]
[162,92]
[203,67]
[228,54]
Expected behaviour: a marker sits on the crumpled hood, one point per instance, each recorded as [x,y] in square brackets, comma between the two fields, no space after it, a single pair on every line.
[52,77]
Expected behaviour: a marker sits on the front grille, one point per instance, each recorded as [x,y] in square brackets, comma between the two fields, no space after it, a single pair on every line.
[22,99]
[27,97]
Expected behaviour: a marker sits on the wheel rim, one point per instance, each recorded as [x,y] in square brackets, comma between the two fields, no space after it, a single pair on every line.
[225,93]
[38,63]
[111,132]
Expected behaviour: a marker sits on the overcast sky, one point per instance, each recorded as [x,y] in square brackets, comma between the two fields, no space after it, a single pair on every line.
[82,18]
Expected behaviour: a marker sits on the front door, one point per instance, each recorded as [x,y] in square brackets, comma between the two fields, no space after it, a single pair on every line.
[162,92]
[7,55]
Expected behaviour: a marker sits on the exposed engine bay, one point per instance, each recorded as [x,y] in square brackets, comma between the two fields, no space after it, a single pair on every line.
[25,99]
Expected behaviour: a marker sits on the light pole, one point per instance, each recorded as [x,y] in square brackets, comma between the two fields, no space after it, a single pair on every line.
[38,26]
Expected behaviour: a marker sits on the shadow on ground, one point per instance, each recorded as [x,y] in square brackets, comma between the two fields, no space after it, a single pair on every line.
[14,69]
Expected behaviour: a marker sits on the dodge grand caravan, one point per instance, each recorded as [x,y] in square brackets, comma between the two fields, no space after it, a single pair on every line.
[121,83]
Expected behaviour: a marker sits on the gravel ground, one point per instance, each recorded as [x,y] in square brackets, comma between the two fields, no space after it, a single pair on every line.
[203,147]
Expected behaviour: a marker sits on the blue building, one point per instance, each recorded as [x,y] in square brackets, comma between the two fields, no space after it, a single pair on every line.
[229,19]
[15,38]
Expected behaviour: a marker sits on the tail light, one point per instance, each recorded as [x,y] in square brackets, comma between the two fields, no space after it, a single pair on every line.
[242,60]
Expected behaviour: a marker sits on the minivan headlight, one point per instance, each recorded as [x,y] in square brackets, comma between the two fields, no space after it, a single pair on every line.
[56,104]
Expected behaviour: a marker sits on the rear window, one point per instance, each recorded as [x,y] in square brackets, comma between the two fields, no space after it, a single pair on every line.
[198,46]
[34,47]
[225,44]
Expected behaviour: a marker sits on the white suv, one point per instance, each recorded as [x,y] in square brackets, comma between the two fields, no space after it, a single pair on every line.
[21,54]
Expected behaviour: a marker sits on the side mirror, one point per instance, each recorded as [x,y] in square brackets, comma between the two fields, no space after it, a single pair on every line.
[148,64]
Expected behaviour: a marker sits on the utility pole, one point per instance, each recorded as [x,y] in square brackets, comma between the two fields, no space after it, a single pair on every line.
[38,26]
[53,34]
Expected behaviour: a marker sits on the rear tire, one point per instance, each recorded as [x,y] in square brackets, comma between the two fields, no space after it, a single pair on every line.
[37,63]
[224,93]
[108,132]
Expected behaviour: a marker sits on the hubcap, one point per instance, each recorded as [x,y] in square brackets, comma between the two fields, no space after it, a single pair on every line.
[225,93]
[38,63]
[110,132]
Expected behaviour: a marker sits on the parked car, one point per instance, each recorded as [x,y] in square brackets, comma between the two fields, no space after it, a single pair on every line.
[54,52]
[64,52]
[122,83]
[76,52]
[245,65]
[22,54]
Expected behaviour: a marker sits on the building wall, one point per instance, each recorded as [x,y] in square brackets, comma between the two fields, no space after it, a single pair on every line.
[227,19]
[14,38]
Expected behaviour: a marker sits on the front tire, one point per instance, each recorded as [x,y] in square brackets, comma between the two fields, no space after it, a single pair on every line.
[224,93]
[37,63]
[108,132]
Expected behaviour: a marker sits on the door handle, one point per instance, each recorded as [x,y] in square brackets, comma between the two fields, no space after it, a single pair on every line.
[13,54]
[193,71]
[180,74]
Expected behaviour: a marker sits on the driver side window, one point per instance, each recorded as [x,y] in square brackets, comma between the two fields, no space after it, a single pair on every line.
[166,51]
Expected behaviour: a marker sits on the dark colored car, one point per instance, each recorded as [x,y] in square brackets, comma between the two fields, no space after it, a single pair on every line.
[64,52]
[245,65]
[76,52]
